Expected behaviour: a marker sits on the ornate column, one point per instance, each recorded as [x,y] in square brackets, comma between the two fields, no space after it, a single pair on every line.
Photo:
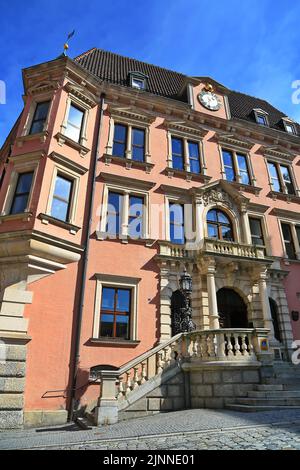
[212,294]
[245,225]
[264,298]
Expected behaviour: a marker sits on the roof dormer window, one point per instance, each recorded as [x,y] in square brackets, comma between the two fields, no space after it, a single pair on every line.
[138,80]
[261,117]
[289,126]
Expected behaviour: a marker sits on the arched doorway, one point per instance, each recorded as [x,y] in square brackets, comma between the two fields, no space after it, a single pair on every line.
[232,309]
[275,318]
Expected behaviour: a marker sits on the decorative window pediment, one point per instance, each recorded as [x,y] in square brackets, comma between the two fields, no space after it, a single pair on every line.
[278,154]
[184,129]
[129,115]
[220,193]
[81,94]
[41,88]
[230,140]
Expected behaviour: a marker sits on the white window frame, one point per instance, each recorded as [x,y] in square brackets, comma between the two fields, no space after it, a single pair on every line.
[264,228]
[260,112]
[186,138]
[31,113]
[126,193]
[278,163]
[129,120]
[108,280]
[21,164]
[292,224]
[234,151]
[71,99]
[288,122]
[71,175]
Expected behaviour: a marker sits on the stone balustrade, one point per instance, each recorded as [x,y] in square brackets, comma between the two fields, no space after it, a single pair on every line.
[242,346]
[214,247]
[222,247]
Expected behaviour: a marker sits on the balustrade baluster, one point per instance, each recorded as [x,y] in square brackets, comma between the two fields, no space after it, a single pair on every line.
[229,345]
[135,377]
[244,346]
[236,346]
[120,388]
[159,362]
[128,383]
[143,375]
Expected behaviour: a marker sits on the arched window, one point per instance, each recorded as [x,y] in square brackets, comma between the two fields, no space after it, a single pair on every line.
[219,225]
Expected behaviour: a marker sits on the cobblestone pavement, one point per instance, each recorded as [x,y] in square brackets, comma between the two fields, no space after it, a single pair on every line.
[188,429]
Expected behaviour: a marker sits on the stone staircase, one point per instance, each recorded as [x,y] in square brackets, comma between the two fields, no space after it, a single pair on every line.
[281,390]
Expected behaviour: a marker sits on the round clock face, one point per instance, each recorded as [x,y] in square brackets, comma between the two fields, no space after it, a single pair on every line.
[209,100]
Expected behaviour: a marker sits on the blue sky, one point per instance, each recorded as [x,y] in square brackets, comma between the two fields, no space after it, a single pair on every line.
[248,45]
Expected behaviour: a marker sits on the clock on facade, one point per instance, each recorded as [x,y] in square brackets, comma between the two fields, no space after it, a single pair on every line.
[209,100]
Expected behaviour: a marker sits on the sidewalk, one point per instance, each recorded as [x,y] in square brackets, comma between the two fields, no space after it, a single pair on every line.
[175,423]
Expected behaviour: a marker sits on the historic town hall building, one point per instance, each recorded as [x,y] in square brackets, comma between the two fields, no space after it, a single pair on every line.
[119,181]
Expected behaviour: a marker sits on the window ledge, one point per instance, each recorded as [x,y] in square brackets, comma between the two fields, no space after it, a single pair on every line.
[286,197]
[188,175]
[250,188]
[23,216]
[129,343]
[41,136]
[63,139]
[48,219]
[127,162]
[125,239]
[288,261]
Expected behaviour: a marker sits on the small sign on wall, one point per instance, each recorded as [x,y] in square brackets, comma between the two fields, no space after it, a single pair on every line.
[264,346]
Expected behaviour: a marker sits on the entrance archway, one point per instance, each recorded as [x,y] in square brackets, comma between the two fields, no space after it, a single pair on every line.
[232,309]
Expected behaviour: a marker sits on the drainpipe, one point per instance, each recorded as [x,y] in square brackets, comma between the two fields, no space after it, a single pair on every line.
[76,356]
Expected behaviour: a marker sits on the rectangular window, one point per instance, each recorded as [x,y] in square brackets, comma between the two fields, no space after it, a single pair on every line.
[135,218]
[261,119]
[290,128]
[177,223]
[20,199]
[243,168]
[62,198]
[194,157]
[288,241]
[74,123]
[115,313]
[228,165]
[114,210]
[138,144]
[177,154]
[285,172]
[275,181]
[256,232]
[39,117]
[120,139]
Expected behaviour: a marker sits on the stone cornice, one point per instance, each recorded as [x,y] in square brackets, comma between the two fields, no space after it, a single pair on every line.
[277,154]
[130,114]
[68,163]
[230,140]
[286,214]
[184,128]
[124,181]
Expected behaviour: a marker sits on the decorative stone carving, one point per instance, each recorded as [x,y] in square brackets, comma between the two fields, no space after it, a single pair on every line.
[214,196]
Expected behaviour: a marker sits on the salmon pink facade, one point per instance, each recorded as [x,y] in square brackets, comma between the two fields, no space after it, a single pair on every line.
[116,177]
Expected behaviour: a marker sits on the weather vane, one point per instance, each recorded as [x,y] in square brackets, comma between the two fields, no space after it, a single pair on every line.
[66,45]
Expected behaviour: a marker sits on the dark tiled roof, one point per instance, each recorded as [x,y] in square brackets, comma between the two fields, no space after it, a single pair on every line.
[115,69]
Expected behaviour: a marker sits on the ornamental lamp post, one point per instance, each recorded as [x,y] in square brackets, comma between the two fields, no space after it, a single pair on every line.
[186,283]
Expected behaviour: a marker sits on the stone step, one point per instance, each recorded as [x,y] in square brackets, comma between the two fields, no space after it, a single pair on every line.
[268,401]
[274,394]
[270,387]
[280,381]
[252,409]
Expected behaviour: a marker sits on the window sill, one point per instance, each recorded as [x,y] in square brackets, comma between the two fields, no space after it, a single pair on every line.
[63,139]
[22,216]
[124,239]
[249,188]
[41,136]
[285,197]
[188,175]
[47,219]
[288,261]
[127,162]
[129,343]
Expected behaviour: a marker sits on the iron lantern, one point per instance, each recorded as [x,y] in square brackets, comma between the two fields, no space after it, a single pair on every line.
[186,283]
